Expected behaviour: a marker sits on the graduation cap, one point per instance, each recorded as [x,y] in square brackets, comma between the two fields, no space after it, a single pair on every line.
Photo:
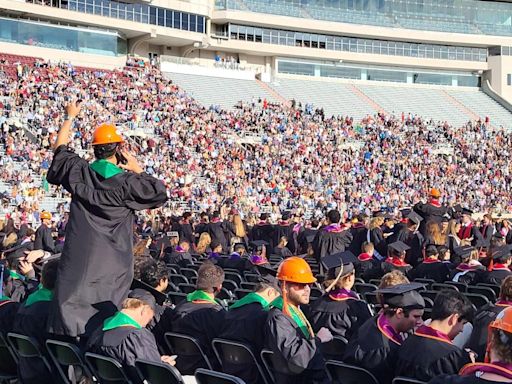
[399,247]
[267,275]
[467,211]
[403,296]
[333,264]
[258,244]
[414,217]
[445,218]
[378,213]
[160,297]
[501,252]
[463,252]
[239,245]
[405,212]
[144,296]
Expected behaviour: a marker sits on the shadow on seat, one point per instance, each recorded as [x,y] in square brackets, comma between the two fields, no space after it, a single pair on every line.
[206,376]
[348,374]
[189,353]
[157,373]
[106,369]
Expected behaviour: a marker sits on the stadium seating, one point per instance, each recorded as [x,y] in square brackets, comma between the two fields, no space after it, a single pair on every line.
[217,91]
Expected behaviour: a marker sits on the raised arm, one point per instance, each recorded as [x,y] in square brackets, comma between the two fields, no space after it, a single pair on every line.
[72,110]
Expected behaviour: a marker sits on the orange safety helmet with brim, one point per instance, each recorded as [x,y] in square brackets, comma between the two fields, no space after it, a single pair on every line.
[106,134]
[295,270]
[503,322]
[46,215]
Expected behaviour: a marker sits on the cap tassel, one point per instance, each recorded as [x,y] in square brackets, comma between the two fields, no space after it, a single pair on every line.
[328,289]
[490,268]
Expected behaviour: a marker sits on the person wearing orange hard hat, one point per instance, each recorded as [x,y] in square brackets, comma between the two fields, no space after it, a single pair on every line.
[96,268]
[297,357]
[497,367]
[43,237]
[433,210]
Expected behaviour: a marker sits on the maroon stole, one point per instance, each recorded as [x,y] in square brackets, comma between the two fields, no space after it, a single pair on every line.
[497,368]
[431,333]
[388,331]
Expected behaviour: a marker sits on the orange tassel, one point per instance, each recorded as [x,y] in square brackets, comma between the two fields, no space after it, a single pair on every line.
[491,265]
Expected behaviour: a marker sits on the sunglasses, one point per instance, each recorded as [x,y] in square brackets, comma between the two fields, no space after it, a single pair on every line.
[301,285]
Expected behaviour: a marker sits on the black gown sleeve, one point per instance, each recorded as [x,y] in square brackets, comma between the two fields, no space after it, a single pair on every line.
[139,345]
[48,243]
[64,162]
[145,192]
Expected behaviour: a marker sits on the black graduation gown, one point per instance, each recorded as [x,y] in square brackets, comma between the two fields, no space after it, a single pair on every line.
[342,317]
[390,266]
[370,349]
[281,230]
[8,310]
[487,232]
[368,269]
[125,344]
[483,317]
[358,232]
[245,325]
[181,258]
[14,254]
[437,271]
[186,232]
[496,276]
[96,265]
[471,276]
[262,231]
[296,359]
[456,379]
[424,358]
[44,240]
[203,321]
[429,212]
[327,243]
[216,231]
[379,242]
[32,321]
[302,239]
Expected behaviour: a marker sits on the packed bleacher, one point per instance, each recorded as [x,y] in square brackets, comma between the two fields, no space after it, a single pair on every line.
[336,250]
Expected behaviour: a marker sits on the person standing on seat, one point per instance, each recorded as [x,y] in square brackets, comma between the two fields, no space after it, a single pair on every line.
[296,351]
[96,268]
[376,343]
[44,239]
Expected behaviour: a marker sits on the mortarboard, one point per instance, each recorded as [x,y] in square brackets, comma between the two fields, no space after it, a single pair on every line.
[403,296]
[399,246]
[144,296]
[445,218]
[378,214]
[414,217]
[159,296]
[257,244]
[463,252]
[214,244]
[333,263]
[405,212]
[467,211]
[431,250]
[501,252]
[238,245]
[267,275]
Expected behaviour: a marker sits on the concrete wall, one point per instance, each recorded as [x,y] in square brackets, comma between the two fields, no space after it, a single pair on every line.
[500,66]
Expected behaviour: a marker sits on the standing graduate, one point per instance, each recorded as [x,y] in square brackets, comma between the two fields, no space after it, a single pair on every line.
[8,307]
[433,210]
[284,228]
[216,229]
[339,309]
[44,239]
[96,268]
[262,230]
[297,357]
[498,366]
[332,238]
[200,316]
[485,315]
[431,267]
[469,231]
[245,323]
[376,343]
[430,351]
[124,336]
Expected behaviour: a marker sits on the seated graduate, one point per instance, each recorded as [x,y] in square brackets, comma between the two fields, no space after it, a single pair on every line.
[396,258]
[367,266]
[238,258]
[200,316]
[180,255]
[124,336]
[31,320]
[499,267]
[470,270]
[258,258]
[430,351]
[245,323]
[431,267]
[498,366]
[339,309]
[376,343]
[297,357]
[485,315]
[8,308]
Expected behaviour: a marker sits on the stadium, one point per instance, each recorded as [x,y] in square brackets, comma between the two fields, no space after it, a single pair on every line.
[255,191]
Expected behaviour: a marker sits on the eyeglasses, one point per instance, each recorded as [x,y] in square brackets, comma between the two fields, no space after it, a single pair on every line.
[300,286]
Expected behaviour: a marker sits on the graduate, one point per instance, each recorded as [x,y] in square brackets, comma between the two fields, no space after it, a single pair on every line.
[499,268]
[262,230]
[8,307]
[245,323]
[431,267]
[485,315]
[180,255]
[124,336]
[332,238]
[216,229]
[340,310]
[258,258]
[375,345]
[367,266]
[396,257]
[470,270]
[429,352]
[31,320]
[432,210]
[96,268]
[44,239]
[200,316]
[498,363]
[284,228]
[297,357]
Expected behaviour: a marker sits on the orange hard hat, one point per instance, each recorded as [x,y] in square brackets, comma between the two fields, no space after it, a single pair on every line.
[434,192]
[295,270]
[106,134]
[503,320]
[46,215]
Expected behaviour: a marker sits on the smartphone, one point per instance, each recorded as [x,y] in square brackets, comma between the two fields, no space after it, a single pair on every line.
[174,357]
[120,158]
